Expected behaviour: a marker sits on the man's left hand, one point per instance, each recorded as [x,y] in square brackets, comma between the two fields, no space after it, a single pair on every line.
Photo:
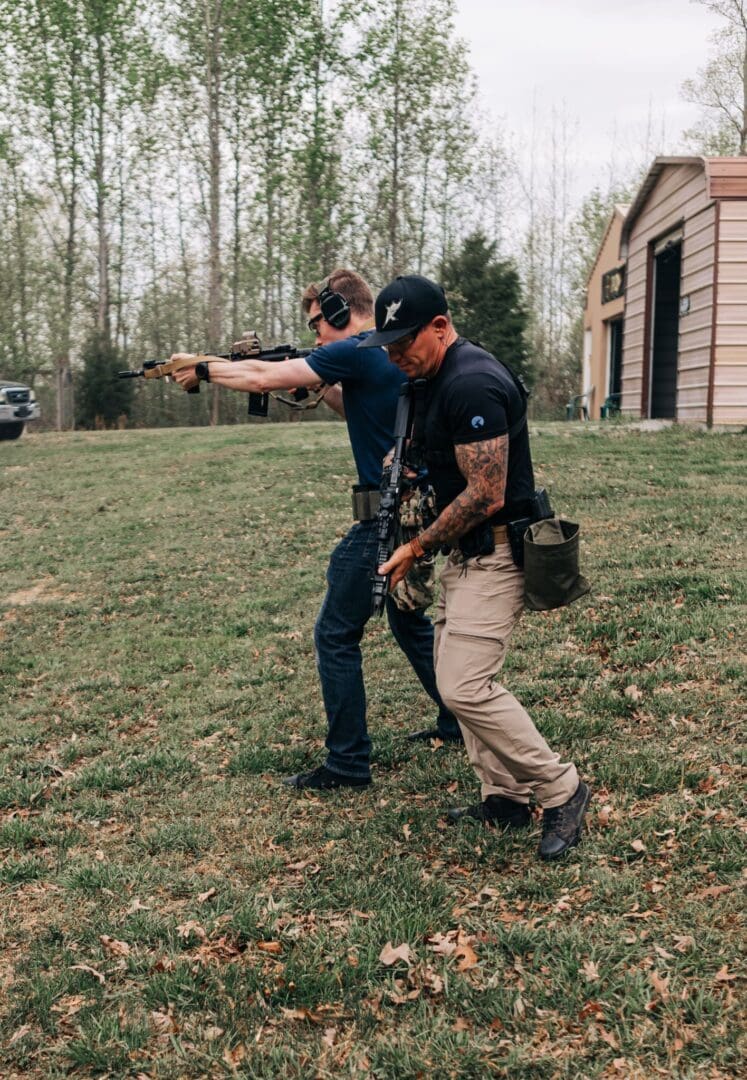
[398,565]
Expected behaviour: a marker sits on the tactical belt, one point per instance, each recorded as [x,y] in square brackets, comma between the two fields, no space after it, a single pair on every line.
[365,502]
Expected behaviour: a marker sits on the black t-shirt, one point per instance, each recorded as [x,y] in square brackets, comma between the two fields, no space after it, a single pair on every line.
[473,398]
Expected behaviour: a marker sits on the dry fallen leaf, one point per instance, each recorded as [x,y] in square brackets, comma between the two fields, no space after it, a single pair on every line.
[273,947]
[91,971]
[684,942]
[208,895]
[633,693]
[390,955]
[234,1056]
[468,958]
[660,985]
[116,948]
[591,971]
[406,832]
[302,1013]
[723,975]
[19,1033]
[638,845]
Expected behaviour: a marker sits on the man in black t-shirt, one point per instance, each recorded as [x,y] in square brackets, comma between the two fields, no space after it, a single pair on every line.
[471,429]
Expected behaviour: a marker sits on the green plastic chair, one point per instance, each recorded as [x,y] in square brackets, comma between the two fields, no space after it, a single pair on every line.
[611,406]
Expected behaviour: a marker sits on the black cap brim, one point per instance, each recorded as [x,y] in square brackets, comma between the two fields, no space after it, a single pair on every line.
[383,338]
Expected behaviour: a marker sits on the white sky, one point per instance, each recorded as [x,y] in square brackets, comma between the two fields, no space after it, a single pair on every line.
[610,65]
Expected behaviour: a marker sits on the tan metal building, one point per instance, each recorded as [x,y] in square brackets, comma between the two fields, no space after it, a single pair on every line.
[681,266]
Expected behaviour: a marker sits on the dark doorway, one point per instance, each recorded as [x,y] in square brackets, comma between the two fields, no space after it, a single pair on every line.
[667,264]
[616,355]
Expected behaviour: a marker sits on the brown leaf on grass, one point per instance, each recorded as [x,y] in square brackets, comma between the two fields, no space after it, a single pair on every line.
[212,1032]
[460,1024]
[632,693]
[683,942]
[19,1034]
[467,957]
[302,1013]
[233,1056]
[91,971]
[591,1008]
[443,944]
[608,1037]
[638,845]
[164,1022]
[723,975]
[114,947]
[603,815]
[272,947]
[164,963]
[663,953]
[401,954]
[590,970]
[186,929]
[407,832]
[208,895]
[660,984]
[329,1036]
[712,892]
[70,1005]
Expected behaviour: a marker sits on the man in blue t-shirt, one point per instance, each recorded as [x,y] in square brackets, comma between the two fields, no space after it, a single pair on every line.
[363,387]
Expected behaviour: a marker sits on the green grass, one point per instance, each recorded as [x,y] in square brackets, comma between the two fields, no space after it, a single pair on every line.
[169,910]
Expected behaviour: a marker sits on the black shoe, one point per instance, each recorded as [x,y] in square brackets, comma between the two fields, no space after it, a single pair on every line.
[323,779]
[495,810]
[562,825]
[433,733]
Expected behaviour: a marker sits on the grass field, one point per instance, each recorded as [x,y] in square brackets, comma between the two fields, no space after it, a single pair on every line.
[170,910]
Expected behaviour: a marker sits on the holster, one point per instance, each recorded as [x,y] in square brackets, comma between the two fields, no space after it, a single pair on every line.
[478,541]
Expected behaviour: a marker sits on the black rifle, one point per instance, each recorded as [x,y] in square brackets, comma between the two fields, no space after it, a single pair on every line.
[249,348]
[392,484]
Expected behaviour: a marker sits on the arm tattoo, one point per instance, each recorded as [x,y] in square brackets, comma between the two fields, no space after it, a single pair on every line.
[484,466]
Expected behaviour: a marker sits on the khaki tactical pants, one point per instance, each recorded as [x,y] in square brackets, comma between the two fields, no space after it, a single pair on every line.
[479,605]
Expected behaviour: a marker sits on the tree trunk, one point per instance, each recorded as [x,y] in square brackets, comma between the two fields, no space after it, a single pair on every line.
[213,81]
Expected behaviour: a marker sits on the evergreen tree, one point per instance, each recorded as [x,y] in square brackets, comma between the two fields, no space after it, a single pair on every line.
[101,398]
[486,301]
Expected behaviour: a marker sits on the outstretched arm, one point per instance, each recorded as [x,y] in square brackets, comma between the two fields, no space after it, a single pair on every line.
[250,376]
[484,466]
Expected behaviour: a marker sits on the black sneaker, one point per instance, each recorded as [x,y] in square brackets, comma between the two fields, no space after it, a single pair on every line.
[433,733]
[323,779]
[562,825]
[495,810]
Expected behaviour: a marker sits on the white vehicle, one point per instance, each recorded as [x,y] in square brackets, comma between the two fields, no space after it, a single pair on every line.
[18,405]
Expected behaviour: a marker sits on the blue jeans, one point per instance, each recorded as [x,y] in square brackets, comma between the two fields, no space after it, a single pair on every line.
[337,636]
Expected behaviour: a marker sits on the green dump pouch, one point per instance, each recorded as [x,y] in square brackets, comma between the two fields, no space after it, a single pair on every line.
[551,574]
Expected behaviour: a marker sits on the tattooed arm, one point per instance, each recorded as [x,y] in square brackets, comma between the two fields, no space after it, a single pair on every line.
[484,466]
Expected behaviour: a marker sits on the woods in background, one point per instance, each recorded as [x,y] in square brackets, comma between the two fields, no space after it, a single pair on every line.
[174,174]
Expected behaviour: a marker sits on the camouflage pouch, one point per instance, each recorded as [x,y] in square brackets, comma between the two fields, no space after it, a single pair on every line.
[417,590]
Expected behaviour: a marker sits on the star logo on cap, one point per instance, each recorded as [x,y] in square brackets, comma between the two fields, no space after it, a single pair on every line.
[391,312]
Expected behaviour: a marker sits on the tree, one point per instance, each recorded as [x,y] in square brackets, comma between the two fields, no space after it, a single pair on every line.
[721,86]
[486,302]
[101,398]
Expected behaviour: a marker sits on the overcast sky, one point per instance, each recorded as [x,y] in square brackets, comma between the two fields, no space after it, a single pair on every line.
[608,63]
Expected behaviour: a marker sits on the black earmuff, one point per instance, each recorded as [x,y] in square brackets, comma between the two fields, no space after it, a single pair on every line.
[335,308]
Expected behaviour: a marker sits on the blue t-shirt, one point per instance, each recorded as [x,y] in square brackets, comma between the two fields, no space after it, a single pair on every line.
[370,389]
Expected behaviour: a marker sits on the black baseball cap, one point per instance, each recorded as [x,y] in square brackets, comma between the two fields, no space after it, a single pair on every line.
[403,306]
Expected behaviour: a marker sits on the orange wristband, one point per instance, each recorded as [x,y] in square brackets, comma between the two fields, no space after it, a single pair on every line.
[417,548]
